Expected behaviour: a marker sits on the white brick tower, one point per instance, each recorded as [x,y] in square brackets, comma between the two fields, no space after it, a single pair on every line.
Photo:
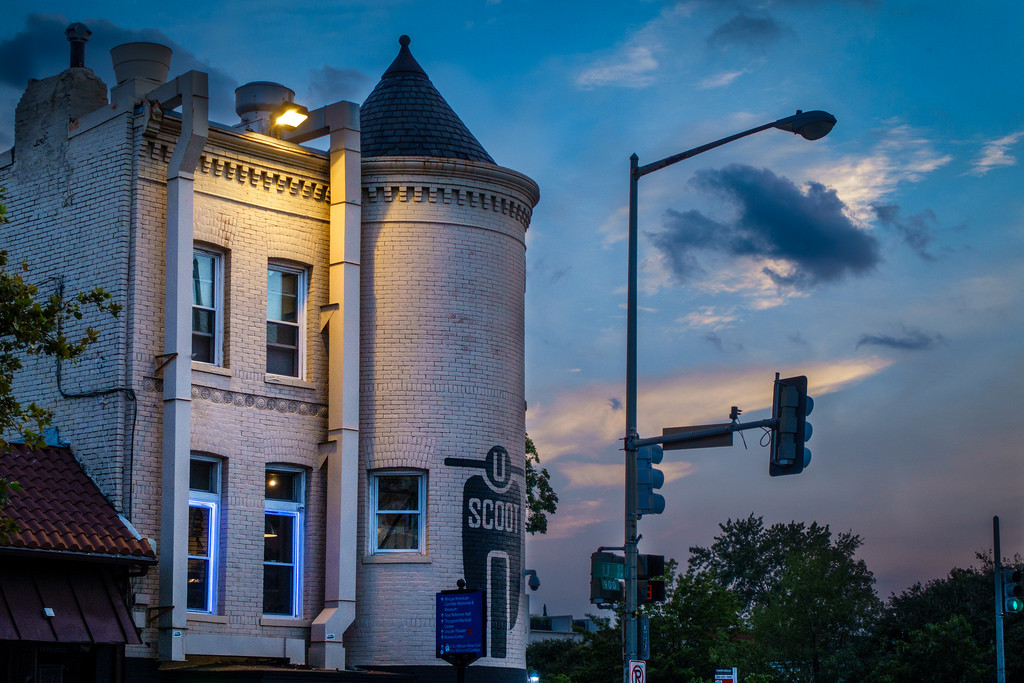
[443,276]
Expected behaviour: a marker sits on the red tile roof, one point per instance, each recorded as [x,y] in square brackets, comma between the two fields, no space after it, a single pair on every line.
[60,508]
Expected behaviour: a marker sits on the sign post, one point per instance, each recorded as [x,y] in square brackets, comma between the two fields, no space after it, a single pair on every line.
[460,627]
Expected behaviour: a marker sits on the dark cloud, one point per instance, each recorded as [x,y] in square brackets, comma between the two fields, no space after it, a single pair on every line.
[41,50]
[757,33]
[329,84]
[615,404]
[915,231]
[777,221]
[911,340]
[713,339]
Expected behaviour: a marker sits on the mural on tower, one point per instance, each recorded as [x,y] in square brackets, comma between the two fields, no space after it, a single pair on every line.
[492,540]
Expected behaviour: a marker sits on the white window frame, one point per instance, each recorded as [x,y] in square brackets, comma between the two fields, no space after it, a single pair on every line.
[300,314]
[210,500]
[218,304]
[295,509]
[420,512]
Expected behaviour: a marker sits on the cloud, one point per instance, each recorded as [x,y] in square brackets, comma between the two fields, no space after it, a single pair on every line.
[915,230]
[709,316]
[330,84]
[581,424]
[40,50]
[912,340]
[756,33]
[573,518]
[809,232]
[863,180]
[593,475]
[720,80]
[631,67]
[995,154]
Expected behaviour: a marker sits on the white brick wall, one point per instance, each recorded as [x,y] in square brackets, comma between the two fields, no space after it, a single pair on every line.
[442,278]
[442,374]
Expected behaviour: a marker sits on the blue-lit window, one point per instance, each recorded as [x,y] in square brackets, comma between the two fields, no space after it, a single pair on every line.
[286,313]
[203,523]
[207,307]
[282,541]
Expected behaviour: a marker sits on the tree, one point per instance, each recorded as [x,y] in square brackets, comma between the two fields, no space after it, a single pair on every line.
[698,617]
[819,614]
[595,659]
[809,603]
[945,629]
[34,326]
[540,497]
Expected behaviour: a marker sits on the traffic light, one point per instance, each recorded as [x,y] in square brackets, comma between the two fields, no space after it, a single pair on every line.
[790,407]
[647,479]
[1013,592]
[607,571]
[650,571]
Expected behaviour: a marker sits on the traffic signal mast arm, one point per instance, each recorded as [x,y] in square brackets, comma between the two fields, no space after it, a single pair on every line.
[668,440]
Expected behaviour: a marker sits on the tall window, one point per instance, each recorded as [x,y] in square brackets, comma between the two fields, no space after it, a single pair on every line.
[207,320]
[282,542]
[397,500]
[285,314]
[203,521]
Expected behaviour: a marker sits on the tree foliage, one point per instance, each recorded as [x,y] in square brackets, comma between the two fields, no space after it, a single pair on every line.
[541,499]
[945,629]
[33,325]
[808,602]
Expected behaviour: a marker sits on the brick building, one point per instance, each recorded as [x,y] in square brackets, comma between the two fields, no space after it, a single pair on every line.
[313,400]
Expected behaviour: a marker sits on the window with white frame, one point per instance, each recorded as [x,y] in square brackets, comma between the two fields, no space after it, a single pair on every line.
[282,541]
[207,304]
[286,288]
[397,502]
[203,522]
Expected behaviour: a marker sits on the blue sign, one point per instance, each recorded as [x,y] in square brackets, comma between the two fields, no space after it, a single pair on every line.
[460,624]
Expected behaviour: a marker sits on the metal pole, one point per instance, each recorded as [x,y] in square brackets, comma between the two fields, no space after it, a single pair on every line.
[629,545]
[998,565]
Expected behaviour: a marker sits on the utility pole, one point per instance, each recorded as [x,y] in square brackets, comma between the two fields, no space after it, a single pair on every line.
[1000,661]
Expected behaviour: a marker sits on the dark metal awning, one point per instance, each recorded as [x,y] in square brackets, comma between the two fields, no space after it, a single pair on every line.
[62,602]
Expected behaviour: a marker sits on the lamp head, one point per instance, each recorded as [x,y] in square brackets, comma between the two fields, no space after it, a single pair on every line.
[810,125]
[289,115]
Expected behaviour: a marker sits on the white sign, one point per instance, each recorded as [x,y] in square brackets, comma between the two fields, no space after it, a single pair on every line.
[637,671]
[726,675]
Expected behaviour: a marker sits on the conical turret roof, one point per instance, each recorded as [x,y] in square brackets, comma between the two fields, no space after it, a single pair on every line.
[405,115]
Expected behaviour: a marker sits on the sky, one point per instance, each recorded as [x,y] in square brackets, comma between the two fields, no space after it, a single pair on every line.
[885,262]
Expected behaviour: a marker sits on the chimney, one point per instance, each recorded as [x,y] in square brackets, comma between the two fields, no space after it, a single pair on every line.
[77,35]
[255,102]
[138,69]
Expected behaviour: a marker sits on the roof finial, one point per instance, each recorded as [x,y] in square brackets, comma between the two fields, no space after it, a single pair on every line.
[405,64]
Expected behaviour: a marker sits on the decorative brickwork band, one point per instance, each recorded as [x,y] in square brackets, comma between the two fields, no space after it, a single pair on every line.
[238,399]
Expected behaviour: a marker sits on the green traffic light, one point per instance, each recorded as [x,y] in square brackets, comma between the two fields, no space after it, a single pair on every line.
[1014,605]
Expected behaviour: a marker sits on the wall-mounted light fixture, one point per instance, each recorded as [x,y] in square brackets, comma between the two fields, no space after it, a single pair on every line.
[289,115]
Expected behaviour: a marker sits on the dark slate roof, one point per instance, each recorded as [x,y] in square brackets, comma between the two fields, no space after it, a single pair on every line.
[405,115]
[60,508]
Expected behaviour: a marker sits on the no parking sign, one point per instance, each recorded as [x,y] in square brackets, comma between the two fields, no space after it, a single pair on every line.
[637,671]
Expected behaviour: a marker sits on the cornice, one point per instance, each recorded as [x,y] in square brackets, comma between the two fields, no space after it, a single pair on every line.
[452,172]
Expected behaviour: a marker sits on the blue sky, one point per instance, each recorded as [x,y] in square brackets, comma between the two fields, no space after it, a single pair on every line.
[885,262]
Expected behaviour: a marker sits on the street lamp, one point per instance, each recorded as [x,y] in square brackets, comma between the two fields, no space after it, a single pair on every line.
[811,125]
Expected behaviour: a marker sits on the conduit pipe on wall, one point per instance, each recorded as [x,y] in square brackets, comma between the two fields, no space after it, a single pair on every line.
[190,91]
[340,319]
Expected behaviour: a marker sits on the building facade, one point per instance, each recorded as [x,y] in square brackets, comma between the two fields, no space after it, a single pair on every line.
[313,399]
